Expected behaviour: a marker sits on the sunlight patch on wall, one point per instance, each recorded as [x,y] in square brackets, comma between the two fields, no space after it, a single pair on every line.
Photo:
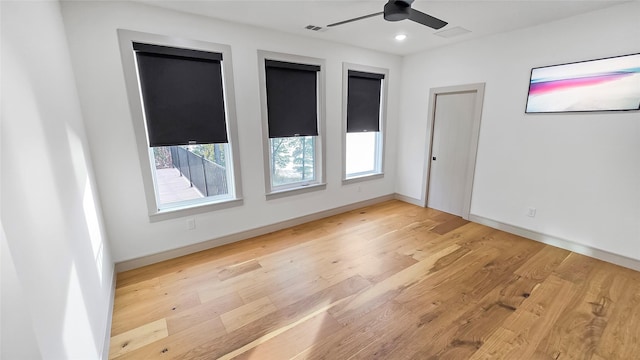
[89,206]
[77,336]
[93,227]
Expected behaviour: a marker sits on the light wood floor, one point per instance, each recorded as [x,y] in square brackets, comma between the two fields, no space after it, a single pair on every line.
[391,281]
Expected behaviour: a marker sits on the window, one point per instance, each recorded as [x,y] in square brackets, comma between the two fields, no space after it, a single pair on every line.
[184,122]
[364,120]
[292,105]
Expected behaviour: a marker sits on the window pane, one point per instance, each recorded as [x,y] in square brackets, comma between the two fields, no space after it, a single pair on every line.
[361,153]
[186,173]
[292,160]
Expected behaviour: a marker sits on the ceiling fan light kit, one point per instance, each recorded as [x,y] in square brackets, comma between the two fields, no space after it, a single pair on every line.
[396,10]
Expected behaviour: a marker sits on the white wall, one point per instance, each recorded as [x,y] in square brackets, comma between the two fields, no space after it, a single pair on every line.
[57,274]
[581,171]
[18,339]
[91,30]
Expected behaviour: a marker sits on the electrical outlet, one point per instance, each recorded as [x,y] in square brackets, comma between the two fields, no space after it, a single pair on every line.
[531,212]
[191,224]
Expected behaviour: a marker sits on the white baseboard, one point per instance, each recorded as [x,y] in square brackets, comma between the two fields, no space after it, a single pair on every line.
[190,249]
[604,255]
[559,242]
[409,200]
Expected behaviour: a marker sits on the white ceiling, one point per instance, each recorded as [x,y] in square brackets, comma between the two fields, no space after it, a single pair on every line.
[482,18]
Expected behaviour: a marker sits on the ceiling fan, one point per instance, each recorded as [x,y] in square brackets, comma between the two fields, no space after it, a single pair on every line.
[396,10]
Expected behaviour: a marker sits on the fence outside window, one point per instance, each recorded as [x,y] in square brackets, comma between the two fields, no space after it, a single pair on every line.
[208,177]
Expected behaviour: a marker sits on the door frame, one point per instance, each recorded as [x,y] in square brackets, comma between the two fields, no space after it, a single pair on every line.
[478,88]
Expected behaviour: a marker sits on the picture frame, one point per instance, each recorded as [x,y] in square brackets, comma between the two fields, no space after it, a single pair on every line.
[607,84]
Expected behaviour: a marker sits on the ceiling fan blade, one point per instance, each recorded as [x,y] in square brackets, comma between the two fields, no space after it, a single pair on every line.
[427,20]
[355,19]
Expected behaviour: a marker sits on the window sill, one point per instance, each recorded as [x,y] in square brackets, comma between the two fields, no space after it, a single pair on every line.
[360,178]
[295,191]
[174,213]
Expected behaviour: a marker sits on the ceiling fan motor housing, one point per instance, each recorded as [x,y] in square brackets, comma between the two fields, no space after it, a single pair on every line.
[397,10]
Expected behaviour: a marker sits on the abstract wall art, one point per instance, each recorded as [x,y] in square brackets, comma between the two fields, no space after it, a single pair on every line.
[610,84]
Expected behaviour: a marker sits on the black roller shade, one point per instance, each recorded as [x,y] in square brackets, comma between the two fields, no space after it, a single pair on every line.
[183,95]
[363,101]
[292,99]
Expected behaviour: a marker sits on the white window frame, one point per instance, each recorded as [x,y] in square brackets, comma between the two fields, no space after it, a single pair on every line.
[378,172]
[196,206]
[272,192]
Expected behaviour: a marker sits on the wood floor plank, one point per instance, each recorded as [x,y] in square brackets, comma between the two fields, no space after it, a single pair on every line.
[238,269]
[223,255]
[395,343]
[277,320]
[286,288]
[209,291]
[376,268]
[460,338]
[576,268]
[247,313]
[389,281]
[354,337]
[140,313]
[392,284]
[294,341]
[176,345]
[540,265]
[138,291]
[520,334]
[449,225]
[201,313]
[621,336]
[458,318]
[437,283]
[578,330]
[137,338]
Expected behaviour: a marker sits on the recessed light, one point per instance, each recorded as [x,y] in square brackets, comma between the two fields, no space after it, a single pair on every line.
[401,37]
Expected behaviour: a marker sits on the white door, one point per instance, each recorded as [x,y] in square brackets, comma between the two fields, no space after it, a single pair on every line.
[453,124]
